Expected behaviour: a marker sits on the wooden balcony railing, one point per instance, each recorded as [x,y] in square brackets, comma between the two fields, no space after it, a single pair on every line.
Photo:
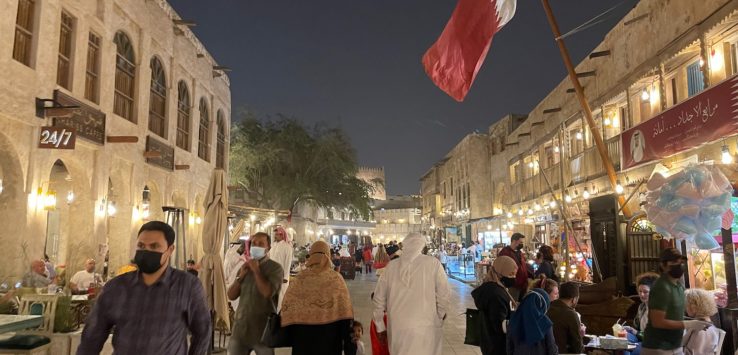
[535,186]
[588,164]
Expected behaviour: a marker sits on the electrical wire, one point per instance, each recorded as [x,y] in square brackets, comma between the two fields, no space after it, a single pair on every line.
[595,20]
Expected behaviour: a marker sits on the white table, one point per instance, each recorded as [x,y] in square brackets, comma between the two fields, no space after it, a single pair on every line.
[80,298]
[12,322]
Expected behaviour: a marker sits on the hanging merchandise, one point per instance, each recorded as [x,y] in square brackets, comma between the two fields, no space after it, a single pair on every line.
[688,203]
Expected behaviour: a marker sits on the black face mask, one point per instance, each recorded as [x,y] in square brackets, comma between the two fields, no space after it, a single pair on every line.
[519,247]
[148,261]
[507,281]
[676,271]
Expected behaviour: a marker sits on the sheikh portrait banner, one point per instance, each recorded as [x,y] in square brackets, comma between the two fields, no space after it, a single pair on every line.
[703,118]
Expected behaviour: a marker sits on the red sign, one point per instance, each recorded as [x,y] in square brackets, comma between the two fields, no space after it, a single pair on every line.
[57,138]
[704,118]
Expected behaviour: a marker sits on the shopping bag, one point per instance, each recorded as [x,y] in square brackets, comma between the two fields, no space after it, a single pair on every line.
[274,336]
[473,327]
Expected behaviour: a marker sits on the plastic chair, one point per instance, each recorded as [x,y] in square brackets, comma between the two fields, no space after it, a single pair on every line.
[40,305]
[36,341]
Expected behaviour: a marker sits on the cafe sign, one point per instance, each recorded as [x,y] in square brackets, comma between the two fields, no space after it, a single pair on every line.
[166,153]
[704,118]
[57,138]
[87,121]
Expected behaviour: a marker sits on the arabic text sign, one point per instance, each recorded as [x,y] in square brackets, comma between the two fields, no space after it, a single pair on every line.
[166,160]
[701,119]
[88,122]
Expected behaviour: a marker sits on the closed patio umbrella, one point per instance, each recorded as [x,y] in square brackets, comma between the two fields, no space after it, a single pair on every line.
[213,231]
[236,232]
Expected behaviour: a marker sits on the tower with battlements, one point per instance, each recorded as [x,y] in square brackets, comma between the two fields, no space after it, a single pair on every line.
[375,177]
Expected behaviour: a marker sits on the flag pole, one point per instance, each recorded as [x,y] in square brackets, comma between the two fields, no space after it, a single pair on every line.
[585,105]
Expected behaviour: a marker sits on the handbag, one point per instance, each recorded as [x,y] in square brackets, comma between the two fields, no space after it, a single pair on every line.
[473,334]
[274,336]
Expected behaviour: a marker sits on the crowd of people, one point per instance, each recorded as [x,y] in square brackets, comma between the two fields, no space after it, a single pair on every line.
[544,320]
[410,302]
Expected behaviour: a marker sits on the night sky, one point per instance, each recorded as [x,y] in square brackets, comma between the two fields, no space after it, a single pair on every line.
[356,64]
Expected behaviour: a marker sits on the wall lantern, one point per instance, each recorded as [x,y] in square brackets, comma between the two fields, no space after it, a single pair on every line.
[725,157]
[146,203]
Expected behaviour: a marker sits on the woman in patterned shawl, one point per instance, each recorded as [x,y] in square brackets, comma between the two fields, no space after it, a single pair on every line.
[317,308]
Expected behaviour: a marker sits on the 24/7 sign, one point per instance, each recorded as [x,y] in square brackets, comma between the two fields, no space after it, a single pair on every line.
[57,138]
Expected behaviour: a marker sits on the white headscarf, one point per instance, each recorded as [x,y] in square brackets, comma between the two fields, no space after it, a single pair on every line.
[412,247]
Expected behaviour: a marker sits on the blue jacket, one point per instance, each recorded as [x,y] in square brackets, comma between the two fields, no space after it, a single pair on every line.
[547,346]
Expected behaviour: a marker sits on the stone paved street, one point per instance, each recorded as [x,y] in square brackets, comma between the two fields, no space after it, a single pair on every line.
[453,344]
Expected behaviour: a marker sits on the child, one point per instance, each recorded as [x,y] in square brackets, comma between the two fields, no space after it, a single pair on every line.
[356,338]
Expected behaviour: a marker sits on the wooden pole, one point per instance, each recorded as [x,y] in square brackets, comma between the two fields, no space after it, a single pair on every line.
[122,139]
[152,154]
[729,259]
[585,105]
[569,230]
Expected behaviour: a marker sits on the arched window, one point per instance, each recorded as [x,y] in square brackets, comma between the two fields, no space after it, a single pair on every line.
[158,99]
[203,148]
[220,149]
[125,77]
[183,116]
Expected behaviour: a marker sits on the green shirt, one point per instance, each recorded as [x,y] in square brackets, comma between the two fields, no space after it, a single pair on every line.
[668,297]
[253,309]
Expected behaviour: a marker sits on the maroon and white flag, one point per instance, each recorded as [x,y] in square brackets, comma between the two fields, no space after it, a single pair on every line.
[454,60]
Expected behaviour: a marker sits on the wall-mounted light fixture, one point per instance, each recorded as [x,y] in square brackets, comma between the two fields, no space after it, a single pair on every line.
[112,209]
[726,157]
[146,203]
[50,200]
[619,188]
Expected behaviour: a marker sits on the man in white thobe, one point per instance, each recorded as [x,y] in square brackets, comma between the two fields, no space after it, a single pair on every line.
[413,291]
[281,252]
[231,265]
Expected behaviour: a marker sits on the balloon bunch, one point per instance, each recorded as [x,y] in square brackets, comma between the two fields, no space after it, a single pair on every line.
[689,205]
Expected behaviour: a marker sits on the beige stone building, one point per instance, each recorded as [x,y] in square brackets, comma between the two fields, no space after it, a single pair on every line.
[374,177]
[396,217]
[456,190]
[151,124]
[637,73]
[661,59]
